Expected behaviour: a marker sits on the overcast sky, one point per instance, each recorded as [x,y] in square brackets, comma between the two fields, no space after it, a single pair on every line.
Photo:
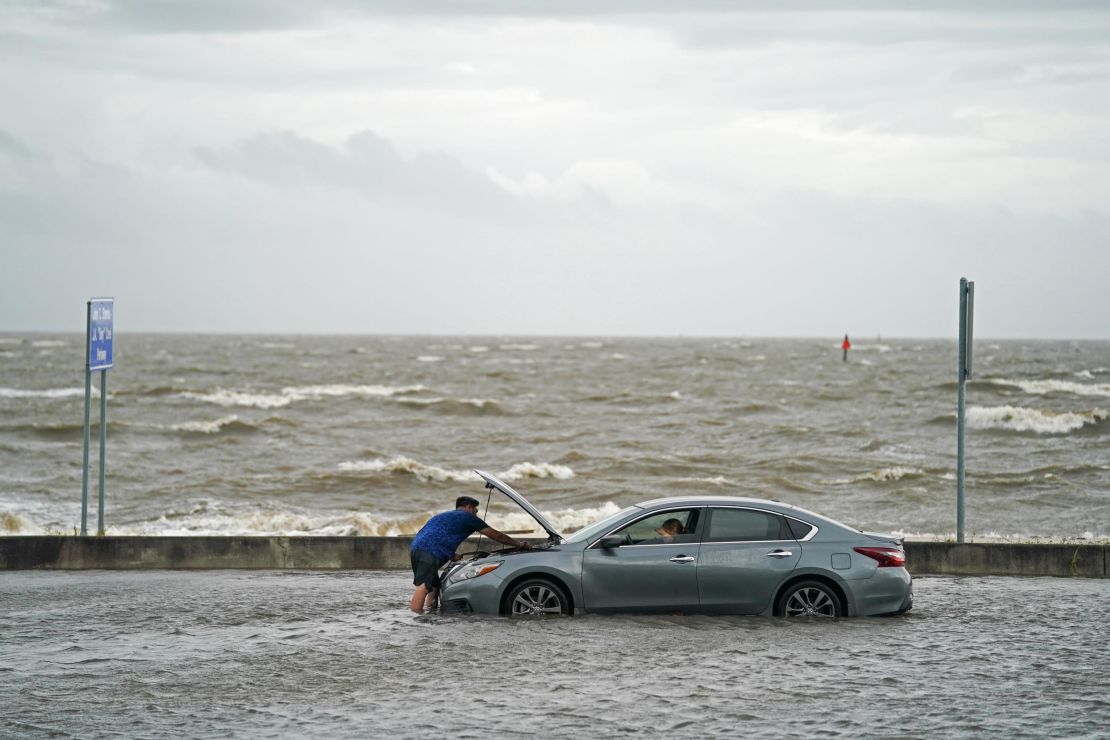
[604,167]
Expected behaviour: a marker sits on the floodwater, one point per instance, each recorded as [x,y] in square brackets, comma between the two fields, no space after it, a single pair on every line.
[213,654]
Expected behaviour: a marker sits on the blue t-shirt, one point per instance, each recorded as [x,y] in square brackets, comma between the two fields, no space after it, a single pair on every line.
[444,532]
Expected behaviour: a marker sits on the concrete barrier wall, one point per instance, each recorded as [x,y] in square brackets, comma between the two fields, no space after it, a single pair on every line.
[392,553]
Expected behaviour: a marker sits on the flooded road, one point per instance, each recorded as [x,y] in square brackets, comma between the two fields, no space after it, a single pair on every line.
[211,654]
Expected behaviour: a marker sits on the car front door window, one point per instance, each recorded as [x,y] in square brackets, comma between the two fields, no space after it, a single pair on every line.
[669,527]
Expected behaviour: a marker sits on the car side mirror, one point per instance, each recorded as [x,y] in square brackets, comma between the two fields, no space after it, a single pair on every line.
[613,540]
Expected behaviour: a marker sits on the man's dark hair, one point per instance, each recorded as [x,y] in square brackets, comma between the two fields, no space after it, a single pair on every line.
[462,501]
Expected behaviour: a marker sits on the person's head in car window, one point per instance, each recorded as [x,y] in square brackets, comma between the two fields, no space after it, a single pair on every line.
[669,529]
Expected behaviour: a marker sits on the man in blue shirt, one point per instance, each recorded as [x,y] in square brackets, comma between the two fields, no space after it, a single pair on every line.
[436,543]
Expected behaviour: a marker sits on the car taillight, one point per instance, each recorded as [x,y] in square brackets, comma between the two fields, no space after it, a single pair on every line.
[888,557]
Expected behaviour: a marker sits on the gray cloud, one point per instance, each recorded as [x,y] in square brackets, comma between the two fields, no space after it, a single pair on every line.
[453,168]
[216,16]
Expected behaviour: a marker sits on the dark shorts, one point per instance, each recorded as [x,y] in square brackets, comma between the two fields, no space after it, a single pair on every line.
[425,568]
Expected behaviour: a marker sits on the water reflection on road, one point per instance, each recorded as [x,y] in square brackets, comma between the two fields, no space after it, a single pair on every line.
[337,654]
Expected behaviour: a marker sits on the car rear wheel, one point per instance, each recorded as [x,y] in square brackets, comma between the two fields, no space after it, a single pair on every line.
[809,599]
[536,598]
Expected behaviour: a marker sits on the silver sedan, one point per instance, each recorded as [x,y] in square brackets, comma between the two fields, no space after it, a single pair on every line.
[705,554]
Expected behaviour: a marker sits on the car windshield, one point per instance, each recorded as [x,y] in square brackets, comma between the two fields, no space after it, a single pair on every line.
[594,529]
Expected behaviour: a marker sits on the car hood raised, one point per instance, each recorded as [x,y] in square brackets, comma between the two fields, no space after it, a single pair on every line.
[505,488]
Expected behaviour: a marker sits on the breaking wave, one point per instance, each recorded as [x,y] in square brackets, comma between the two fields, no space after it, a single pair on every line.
[460,406]
[1042,387]
[47,393]
[229,423]
[423,472]
[223,397]
[884,475]
[15,524]
[272,518]
[1018,419]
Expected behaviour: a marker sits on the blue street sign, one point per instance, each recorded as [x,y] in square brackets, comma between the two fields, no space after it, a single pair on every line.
[101,318]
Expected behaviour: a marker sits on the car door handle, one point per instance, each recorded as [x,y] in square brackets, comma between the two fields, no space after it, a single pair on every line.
[683,559]
[780,554]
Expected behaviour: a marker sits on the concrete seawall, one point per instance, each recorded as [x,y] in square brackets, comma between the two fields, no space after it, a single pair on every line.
[392,553]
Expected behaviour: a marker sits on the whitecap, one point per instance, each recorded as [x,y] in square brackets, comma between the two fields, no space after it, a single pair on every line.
[408,466]
[47,343]
[1041,387]
[536,470]
[205,427]
[423,472]
[883,475]
[46,393]
[224,397]
[479,349]
[482,404]
[1019,419]
[519,347]
[429,358]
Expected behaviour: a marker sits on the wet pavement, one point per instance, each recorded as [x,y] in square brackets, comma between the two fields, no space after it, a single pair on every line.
[211,654]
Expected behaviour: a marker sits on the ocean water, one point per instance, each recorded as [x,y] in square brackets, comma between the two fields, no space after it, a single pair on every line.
[286,654]
[220,434]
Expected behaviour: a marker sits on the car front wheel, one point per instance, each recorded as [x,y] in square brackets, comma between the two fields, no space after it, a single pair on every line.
[809,599]
[536,598]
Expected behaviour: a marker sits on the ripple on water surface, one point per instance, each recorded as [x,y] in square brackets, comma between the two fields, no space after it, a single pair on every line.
[338,654]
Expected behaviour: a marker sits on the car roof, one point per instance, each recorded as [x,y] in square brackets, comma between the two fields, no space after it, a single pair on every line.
[778,506]
[710,500]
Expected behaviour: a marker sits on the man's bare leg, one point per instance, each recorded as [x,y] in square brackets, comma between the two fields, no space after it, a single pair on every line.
[432,602]
[417,603]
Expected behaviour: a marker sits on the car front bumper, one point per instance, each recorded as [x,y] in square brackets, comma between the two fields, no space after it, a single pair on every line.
[481,595]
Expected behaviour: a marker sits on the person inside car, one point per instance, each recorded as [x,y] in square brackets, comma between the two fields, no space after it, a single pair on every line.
[670,529]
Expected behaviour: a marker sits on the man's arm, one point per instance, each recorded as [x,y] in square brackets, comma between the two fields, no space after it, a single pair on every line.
[505,539]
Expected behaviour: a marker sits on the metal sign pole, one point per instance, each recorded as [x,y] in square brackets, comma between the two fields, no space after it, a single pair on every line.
[103,435]
[99,355]
[967,292]
[85,453]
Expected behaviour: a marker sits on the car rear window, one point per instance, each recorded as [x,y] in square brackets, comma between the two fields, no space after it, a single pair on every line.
[799,529]
[746,525]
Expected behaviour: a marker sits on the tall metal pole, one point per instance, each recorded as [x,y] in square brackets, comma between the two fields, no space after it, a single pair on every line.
[961,377]
[103,434]
[85,458]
